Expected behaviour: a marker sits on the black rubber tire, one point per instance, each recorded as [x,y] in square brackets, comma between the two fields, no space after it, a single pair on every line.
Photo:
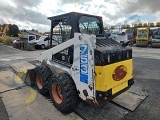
[68,90]
[45,74]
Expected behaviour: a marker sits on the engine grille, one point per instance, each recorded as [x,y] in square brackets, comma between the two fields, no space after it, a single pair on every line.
[109,51]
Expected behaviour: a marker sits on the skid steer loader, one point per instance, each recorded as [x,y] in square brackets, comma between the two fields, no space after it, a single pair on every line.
[84,64]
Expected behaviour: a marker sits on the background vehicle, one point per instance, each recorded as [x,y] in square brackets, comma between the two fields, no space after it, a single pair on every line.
[120,37]
[44,42]
[155,38]
[84,64]
[4,31]
[26,42]
[28,38]
[142,38]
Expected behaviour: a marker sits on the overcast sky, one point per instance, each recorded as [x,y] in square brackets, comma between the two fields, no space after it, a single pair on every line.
[33,14]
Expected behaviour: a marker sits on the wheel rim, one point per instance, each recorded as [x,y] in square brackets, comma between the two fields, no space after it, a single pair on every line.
[57,93]
[39,81]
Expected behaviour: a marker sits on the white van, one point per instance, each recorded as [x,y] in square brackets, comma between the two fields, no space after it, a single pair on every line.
[28,38]
[44,42]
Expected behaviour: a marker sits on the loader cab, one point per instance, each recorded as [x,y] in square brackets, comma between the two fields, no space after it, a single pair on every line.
[67,24]
[64,26]
[89,25]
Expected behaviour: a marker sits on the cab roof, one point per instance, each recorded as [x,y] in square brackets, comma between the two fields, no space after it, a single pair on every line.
[71,14]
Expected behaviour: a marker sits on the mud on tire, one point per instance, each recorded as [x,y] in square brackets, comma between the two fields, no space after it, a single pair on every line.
[43,74]
[63,93]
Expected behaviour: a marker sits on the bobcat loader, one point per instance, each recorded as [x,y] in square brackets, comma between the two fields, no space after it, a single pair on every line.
[84,64]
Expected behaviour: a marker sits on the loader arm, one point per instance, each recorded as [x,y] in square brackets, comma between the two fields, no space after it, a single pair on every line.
[47,55]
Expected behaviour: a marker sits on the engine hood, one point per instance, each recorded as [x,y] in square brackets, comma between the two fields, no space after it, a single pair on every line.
[109,51]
